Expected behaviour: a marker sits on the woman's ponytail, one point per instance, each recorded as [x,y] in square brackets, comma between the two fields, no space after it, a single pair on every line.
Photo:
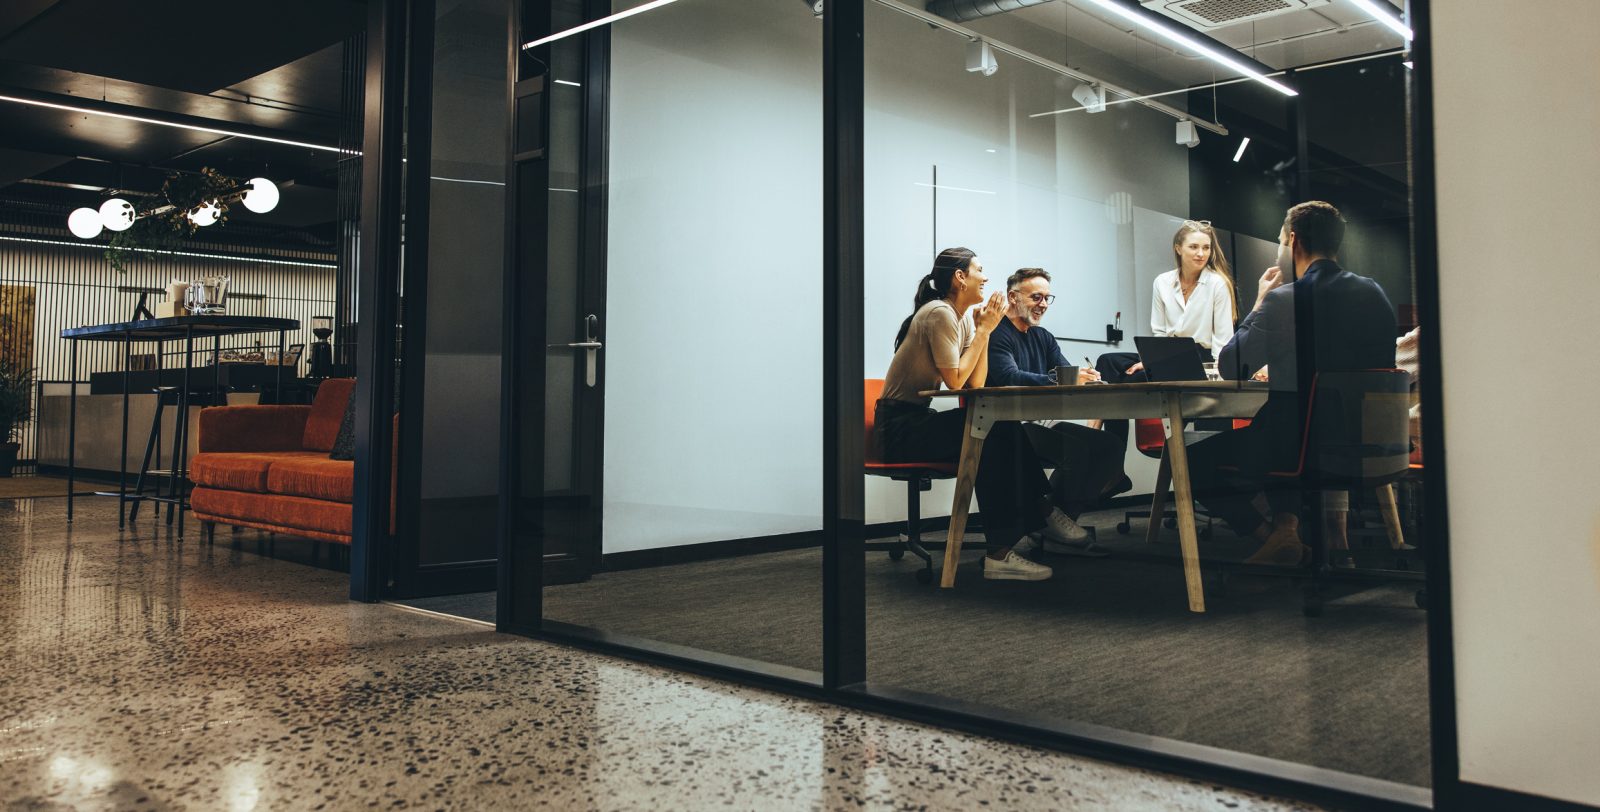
[936,284]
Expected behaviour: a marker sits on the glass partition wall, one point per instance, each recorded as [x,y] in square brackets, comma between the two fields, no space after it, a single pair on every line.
[673,250]
[678,495]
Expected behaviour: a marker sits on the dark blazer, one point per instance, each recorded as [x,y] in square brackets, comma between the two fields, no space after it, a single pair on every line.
[1328,319]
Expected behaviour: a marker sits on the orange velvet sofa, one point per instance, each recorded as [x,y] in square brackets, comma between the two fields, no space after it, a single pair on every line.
[267,467]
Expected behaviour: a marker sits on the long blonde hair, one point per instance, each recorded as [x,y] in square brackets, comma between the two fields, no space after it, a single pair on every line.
[1217,262]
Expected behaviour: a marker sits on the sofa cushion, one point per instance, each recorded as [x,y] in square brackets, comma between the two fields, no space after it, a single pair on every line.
[327,411]
[313,476]
[238,471]
[289,512]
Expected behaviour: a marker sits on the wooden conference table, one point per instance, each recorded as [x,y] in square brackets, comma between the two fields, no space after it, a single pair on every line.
[1176,401]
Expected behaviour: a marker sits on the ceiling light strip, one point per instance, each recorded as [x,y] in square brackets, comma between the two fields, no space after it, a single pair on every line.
[1223,83]
[1387,17]
[103,247]
[1242,144]
[607,20]
[192,127]
[1039,61]
[1158,25]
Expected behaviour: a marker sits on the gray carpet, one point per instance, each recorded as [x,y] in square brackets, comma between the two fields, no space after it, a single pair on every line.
[1107,641]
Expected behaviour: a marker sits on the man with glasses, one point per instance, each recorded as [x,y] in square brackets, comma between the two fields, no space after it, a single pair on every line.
[1088,463]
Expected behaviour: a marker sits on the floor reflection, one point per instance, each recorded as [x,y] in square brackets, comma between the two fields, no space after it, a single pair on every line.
[140,672]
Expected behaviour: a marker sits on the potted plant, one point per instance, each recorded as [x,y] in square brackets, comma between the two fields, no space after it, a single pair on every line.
[16,409]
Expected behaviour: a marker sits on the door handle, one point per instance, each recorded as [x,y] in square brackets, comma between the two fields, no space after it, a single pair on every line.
[591,347]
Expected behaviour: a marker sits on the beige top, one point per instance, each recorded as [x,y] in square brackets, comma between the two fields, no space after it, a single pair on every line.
[936,340]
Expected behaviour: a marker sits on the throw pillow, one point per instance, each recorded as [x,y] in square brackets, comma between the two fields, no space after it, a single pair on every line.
[344,445]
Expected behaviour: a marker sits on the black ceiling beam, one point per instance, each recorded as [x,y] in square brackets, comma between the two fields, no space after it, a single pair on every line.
[31,98]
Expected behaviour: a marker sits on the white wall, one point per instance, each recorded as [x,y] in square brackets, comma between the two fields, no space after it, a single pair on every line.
[1517,209]
[714,298]
[715,243]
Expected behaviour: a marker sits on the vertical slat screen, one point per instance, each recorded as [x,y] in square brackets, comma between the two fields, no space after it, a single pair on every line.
[75,286]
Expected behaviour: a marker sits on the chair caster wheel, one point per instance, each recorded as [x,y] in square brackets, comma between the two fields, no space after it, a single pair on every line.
[1422,599]
[924,576]
[897,553]
[1123,528]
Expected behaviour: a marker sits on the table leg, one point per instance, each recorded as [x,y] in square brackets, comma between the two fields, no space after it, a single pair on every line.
[72,428]
[1158,500]
[1184,495]
[122,468]
[966,476]
[180,470]
[277,374]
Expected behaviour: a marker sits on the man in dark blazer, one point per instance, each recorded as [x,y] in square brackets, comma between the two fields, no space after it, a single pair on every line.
[1310,315]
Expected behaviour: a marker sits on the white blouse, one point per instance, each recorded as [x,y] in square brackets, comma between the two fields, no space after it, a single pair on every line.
[1207,317]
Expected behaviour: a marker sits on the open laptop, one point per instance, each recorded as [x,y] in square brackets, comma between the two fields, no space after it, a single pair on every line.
[1170,358]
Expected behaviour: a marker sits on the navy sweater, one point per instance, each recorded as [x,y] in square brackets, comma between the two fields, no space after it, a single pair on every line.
[1023,359]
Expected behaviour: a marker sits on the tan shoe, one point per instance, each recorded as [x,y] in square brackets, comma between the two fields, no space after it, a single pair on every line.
[1282,549]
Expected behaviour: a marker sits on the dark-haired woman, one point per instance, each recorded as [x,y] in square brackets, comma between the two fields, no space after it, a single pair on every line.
[942,343]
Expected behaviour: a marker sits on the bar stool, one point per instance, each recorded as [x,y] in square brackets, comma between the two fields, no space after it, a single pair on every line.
[152,450]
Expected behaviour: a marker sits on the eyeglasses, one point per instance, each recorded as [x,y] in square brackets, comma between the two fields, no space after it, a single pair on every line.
[1042,298]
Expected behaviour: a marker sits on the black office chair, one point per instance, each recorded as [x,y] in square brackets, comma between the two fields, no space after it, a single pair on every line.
[1355,439]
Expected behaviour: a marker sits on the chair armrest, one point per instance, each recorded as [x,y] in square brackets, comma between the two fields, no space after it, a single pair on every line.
[253,428]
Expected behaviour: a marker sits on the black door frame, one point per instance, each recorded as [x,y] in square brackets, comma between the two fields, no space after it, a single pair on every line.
[842,680]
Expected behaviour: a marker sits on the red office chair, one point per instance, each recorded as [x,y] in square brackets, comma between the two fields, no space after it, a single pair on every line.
[918,477]
[1151,439]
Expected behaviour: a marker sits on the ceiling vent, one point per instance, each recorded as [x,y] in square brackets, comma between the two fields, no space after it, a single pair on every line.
[1212,14]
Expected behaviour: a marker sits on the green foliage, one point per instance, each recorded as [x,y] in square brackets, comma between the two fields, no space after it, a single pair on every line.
[16,398]
[168,225]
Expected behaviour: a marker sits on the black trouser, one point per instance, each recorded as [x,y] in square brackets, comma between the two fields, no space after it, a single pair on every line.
[1230,494]
[1087,462]
[1113,368]
[1011,486]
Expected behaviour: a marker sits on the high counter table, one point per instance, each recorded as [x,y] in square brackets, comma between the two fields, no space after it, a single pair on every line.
[1176,401]
[160,331]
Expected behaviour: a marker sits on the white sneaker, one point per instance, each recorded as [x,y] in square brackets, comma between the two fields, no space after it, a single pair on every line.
[1060,528]
[1014,568]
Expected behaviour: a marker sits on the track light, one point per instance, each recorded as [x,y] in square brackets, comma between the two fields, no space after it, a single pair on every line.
[1188,134]
[815,6]
[1092,97]
[980,58]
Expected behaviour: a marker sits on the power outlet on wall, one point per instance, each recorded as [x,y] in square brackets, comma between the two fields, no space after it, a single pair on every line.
[1113,335]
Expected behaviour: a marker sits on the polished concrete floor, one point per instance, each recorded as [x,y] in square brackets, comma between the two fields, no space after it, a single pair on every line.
[137,672]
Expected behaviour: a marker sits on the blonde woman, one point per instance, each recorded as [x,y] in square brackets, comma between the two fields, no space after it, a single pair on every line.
[1195,299]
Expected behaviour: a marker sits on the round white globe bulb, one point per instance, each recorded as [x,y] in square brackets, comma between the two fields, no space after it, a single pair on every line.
[206,214]
[85,223]
[262,197]
[118,214]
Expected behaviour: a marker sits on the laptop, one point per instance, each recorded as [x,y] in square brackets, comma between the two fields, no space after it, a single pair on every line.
[1170,358]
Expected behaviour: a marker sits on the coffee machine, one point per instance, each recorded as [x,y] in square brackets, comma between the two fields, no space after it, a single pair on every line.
[320,362]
